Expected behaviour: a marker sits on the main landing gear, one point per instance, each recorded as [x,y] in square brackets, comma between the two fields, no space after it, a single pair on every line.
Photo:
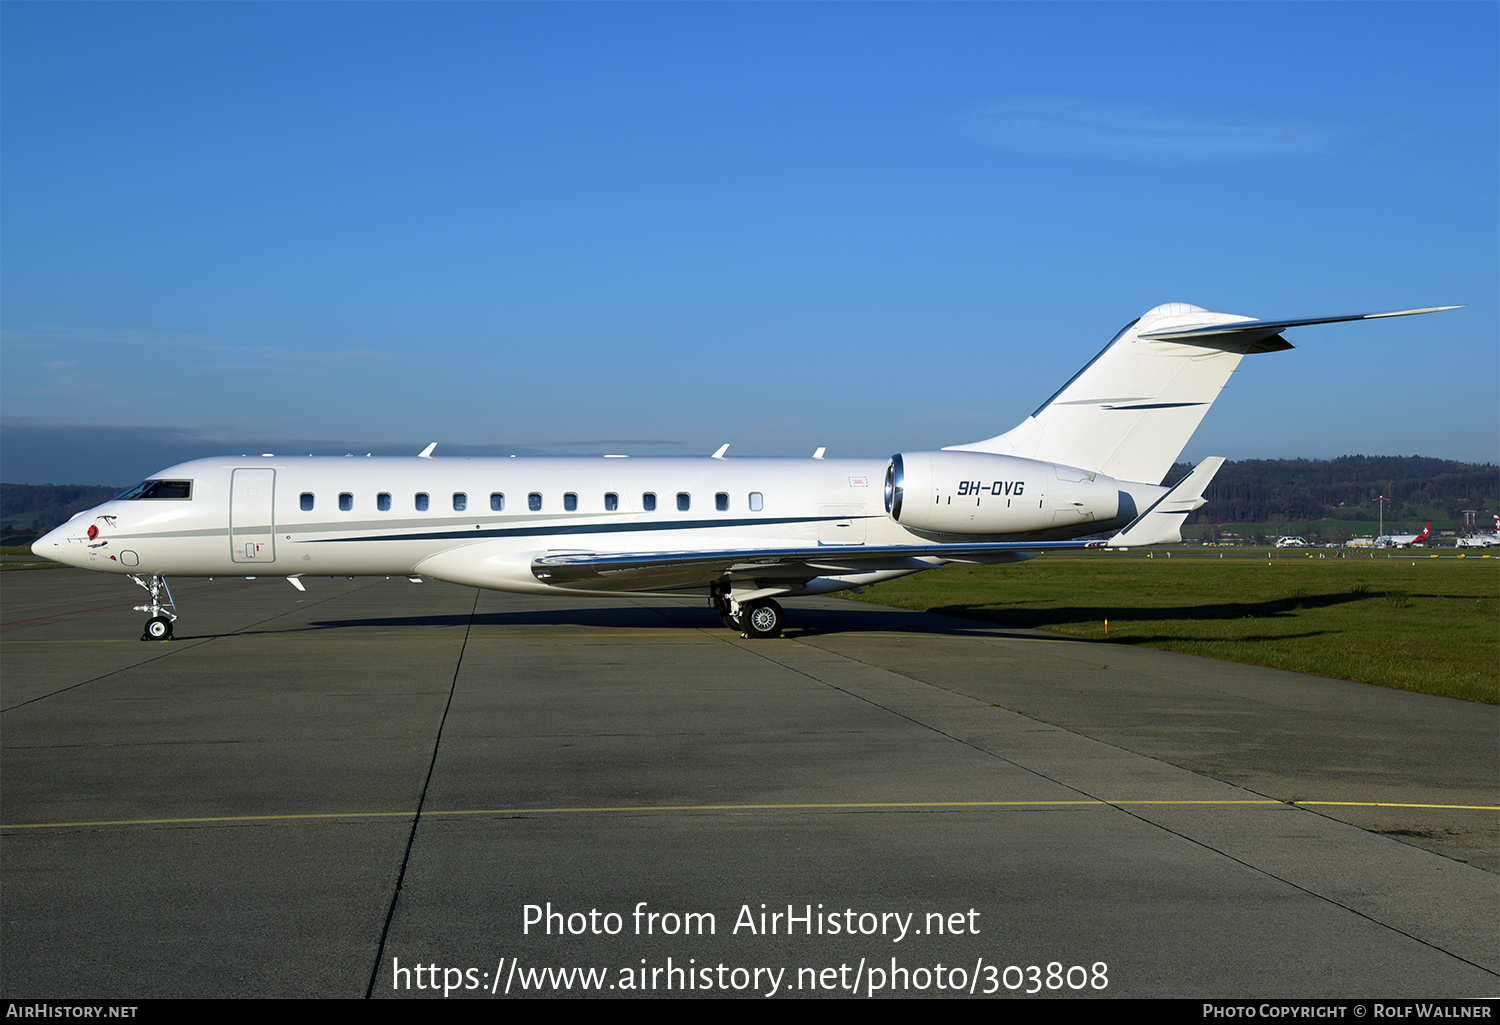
[752,619]
[762,618]
[163,613]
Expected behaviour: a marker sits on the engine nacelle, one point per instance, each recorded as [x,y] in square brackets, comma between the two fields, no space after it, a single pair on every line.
[977,493]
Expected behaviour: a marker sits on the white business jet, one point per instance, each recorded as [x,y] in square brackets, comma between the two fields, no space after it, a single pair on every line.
[741,532]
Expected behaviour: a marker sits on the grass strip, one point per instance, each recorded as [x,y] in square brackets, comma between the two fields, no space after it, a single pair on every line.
[1416,623]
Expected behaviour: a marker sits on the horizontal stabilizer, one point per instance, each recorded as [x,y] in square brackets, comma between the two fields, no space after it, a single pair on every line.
[1162,523]
[1251,329]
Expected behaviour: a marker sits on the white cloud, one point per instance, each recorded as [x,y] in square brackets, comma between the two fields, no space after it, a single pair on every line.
[107,341]
[1073,128]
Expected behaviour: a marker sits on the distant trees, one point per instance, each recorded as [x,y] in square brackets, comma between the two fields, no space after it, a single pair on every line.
[28,509]
[1288,490]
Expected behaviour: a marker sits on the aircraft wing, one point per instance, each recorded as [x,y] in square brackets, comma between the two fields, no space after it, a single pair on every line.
[790,567]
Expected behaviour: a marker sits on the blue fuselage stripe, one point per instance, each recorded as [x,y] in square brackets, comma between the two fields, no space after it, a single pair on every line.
[577,528]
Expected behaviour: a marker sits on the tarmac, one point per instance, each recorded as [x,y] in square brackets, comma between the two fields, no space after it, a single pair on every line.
[384,788]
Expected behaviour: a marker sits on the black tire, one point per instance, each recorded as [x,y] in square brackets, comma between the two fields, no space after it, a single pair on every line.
[762,619]
[158,628]
[730,621]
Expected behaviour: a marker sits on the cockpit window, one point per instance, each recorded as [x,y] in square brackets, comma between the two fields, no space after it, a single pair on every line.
[158,489]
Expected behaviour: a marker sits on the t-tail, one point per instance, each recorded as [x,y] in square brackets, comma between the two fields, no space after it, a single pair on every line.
[1131,410]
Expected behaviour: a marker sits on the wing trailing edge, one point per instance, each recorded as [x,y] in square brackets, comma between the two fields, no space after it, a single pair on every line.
[641,571]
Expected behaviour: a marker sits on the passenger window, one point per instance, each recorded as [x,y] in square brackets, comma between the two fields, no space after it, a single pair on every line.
[648,502]
[383,501]
[570,502]
[721,502]
[757,501]
[421,501]
[684,500]
[534,501]
[346,501]
[497,502]
[460,501]
[307,501]
[611,501]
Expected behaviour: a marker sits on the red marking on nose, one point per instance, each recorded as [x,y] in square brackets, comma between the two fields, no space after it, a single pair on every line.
[93,531]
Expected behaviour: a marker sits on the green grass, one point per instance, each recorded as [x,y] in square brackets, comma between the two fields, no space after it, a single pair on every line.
[1418,623]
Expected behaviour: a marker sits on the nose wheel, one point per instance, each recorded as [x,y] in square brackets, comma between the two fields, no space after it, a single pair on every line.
[163,613]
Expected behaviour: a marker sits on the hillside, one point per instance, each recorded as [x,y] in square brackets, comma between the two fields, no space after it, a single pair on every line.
[1287,492]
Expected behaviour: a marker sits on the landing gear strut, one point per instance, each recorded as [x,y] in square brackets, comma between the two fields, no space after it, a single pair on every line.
[163,613]
[719,601]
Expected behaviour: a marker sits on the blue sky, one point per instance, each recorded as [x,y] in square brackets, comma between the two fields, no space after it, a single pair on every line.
[655,228]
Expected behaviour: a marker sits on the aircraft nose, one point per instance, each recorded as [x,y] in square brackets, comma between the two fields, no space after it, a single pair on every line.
[51,545]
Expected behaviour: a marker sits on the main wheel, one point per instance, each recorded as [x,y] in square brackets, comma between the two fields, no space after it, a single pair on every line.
[762,619]
[730,621]
[158,628]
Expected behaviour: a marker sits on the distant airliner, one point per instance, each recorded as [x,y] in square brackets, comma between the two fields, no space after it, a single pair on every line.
[1403,540]
[740,532]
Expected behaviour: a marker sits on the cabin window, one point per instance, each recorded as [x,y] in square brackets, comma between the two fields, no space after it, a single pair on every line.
[757,501]
[534,501]
[158,489]
[346,501]
[648,502]
[421,501]
[460,501]
[383,501]
[684,501]
[497,501]
[570,502]
[721,502]
[611,501]
[307,501]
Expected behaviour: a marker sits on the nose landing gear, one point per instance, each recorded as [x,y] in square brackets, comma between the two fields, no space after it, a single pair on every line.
[163,613]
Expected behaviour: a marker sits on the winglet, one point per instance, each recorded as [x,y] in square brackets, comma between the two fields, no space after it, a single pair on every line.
[426,453]
[719,452]
[1162,522]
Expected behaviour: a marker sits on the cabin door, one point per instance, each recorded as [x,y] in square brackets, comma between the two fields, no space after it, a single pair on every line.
[252,527]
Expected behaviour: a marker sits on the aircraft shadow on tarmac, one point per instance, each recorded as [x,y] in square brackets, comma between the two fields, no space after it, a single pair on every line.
[1045,618]
[989,619]
[802,622]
